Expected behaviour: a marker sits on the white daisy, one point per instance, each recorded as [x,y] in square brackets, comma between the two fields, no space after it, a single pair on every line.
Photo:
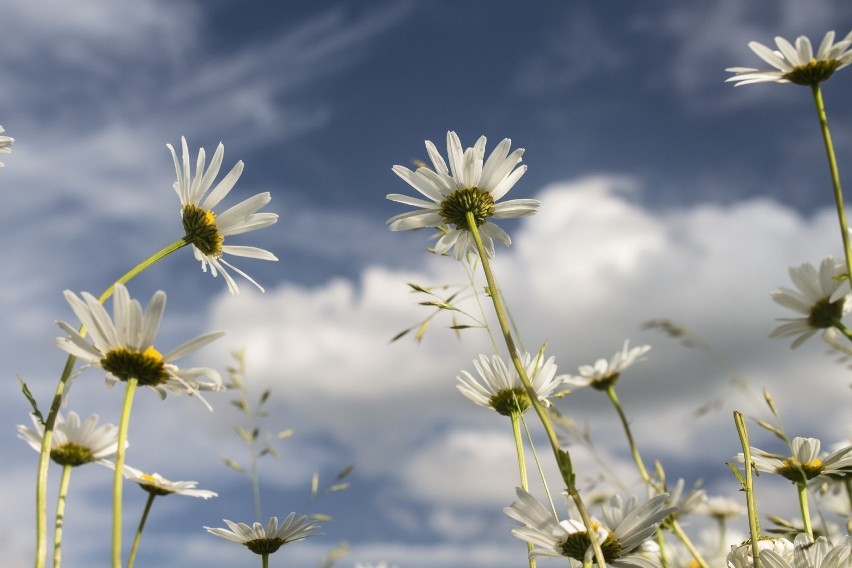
[626,526]
[805,464]
[156,484]
[822,297]
[685,503]
[807,554]
[796,64]
[206,229]
[267,540]
[465,186]
[5,144]
[720,507]
[123,346]
[741,555]
[605,373]
[74,443]
[501,387]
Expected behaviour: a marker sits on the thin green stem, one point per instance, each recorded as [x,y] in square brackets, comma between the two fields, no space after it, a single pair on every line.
[682,536]
[802,489]
[60,516]
[55,405]
[563,459]
[264,560]
[634,451]
[132,559]
[515,417]
[538,467]
[661,543]
[835,175]
[118,479]
[748,487]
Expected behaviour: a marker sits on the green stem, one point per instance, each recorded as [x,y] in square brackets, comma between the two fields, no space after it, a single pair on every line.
[264,560]
[55,405]
[132,559]
[563,459]
[682,536]
[664,561]
[515,417]
[118,479]
[803,506]
[60,516]
[634,451]
[835,175]
[748,487]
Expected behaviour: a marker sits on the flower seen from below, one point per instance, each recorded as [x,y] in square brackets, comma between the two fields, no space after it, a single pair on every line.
[603,373]
[625,528]
[741,555]
[156,484]
[501,388]
[465,186]
[796,64]
[807,554]
[720,507]
[805,464]
[822,298]
[266,540]
[5,144]
[74,443]
[123,345]
[207,230]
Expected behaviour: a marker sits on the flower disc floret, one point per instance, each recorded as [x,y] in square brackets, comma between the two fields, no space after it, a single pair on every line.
[146,366]
[201,231]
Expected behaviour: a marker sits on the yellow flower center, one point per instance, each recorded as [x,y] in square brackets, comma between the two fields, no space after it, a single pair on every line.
[510,401]
[813,72]
[71,454]
[798,472]
[458,204]
[201,231]
[146,366]
[576,545]
[265,545]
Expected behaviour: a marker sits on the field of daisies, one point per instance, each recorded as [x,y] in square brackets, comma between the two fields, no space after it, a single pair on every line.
[460,194]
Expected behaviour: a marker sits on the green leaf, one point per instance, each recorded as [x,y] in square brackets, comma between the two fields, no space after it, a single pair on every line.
[421,331]
[346,471]
[26,390]
[232,464]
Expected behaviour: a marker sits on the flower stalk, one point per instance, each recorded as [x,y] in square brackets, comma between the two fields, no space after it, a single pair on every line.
[563,459]
[60,394]
[802,490]
[835,175]
[118,479]
[515,417]
[60,515]
[132,558]
[748,488]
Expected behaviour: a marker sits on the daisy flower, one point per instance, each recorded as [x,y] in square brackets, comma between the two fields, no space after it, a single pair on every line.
[74,443]
[5,144]
[807,554]
[626,526]
[501,388]
[805,463]
[685,503]
[267,540]
[741,555]
[720,507]
[822,298]
[156,484]
[796,64]
[207,230]
[465,186]
[605,373]
[123,345]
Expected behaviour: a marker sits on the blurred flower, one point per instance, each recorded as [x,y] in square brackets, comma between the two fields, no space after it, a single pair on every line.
[720,507]
[124,347]
[466,186]
[378,565]
[5,144]
[605,373]
[501,387]
[74,443]
[685,503]
[267,540]
[626,526]
[796,64]
[822,297]
[156,484]
[741,555]
[807,554]
[207,230]
[805,463]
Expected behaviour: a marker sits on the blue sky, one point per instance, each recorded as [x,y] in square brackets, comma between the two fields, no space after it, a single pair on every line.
[665,193]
